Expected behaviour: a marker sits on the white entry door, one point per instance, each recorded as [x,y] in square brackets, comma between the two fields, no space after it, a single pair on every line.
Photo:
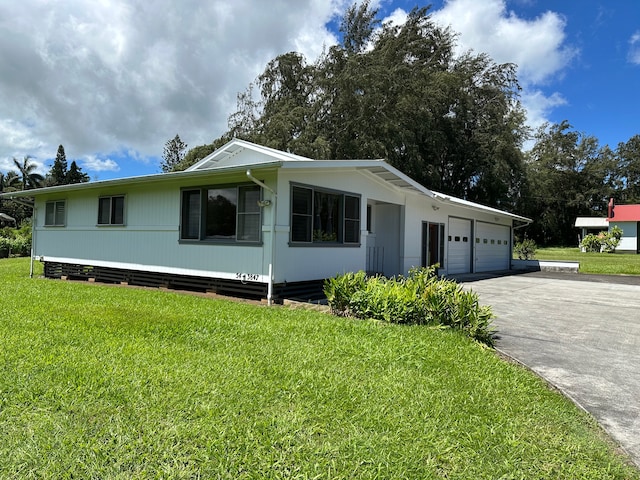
[492,247]
[459,246]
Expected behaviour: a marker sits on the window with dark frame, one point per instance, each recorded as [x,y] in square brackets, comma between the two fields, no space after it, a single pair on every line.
[54,215]
[111,210]
[321,216]
[221,213]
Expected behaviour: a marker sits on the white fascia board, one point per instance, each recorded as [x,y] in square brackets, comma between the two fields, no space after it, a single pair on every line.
[483,208]
[260,278]
[239,145]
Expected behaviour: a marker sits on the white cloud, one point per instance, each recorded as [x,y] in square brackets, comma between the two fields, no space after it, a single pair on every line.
[539,105]
[536,46]
[634,50]
[95,164]
[117,75]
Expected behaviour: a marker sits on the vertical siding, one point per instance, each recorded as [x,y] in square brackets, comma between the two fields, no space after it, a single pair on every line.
[150,235]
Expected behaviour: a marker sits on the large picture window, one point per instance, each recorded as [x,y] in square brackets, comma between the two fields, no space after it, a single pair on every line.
[54,214]
[225,213]
[320,216]
[111,210]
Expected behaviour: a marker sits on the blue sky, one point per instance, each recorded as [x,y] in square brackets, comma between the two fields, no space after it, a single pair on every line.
[114,80]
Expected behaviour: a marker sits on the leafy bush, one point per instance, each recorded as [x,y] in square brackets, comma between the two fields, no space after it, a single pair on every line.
[5,247]
[419,298]
[16,242]
[526,250]
[603,241]
[341,288]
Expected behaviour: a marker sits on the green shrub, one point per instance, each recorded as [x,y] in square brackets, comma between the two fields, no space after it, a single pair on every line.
[603,241]
[21,246]
[16,242]
[5,247]
[341,288]
[419,298]
[526,250]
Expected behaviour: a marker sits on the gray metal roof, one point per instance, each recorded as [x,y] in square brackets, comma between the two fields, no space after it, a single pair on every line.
[226,159]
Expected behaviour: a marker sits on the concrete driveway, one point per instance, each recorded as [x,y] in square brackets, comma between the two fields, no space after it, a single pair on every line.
[581,333]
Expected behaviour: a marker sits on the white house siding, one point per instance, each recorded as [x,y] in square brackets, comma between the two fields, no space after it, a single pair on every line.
[150,236]
[300,263]
[629,240]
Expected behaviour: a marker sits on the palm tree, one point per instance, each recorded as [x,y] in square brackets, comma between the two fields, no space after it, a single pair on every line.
[9,181]
[29,178]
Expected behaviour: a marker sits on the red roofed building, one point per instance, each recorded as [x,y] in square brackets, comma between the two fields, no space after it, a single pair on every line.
[627,217]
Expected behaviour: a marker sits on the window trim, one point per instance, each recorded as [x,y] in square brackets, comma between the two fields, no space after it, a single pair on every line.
[112,212]
[202,215]
[55,223]
[341,222]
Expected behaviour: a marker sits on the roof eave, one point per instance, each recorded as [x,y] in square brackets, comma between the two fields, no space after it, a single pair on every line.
[142,179]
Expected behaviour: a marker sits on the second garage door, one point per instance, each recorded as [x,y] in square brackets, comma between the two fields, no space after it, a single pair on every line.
[493,251]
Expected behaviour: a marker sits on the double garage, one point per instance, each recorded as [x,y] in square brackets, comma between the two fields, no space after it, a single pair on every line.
[475,246]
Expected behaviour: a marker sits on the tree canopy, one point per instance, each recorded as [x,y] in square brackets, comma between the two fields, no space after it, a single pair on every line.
[58,173]
[451,121]
[173,154]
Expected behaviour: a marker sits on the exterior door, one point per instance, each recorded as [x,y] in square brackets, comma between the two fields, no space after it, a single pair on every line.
[432,244]
[459,245]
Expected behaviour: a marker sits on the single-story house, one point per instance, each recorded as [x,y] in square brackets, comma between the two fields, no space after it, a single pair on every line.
[626,217]
[254,220]
[589,225]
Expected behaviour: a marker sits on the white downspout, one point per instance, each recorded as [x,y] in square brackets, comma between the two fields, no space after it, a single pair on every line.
[273,234]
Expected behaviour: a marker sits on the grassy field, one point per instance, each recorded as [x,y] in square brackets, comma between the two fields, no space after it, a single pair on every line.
[604,263]
[113,382]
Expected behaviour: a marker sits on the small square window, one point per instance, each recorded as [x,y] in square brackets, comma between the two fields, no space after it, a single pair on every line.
[111,210]
[54,214]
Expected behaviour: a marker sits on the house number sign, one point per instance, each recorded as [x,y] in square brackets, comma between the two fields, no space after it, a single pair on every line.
[247,277]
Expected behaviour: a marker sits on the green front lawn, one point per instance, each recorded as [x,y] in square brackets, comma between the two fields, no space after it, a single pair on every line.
[111,382]
[604,263]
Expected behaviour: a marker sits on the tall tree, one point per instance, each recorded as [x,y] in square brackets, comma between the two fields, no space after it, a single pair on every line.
[357,26]
[9,181]
[454,123]
[29,178]
[58,173]
[628,155]
[75,174]
[173,154]
[569,175]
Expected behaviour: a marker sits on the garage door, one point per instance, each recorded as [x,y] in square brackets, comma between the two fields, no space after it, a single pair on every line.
[459,246]
[493,252]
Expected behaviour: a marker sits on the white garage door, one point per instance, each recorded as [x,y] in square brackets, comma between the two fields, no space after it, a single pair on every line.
[459,246]
[492,247]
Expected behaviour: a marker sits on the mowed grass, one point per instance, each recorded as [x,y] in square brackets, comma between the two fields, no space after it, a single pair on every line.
[602,263]
[113,382]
